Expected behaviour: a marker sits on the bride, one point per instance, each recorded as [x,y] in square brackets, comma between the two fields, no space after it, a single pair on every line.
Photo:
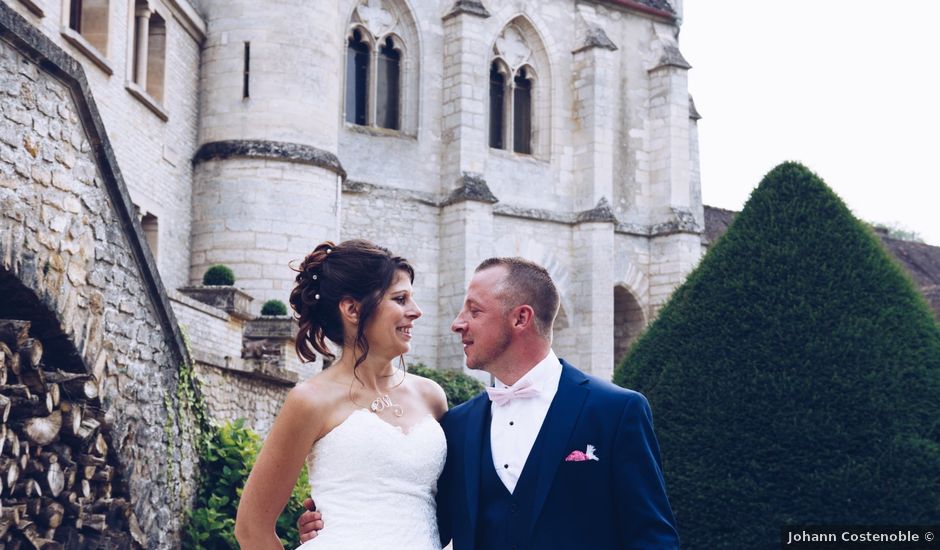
[366,430]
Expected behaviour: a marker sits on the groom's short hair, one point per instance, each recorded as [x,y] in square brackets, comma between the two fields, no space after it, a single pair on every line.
[527,283]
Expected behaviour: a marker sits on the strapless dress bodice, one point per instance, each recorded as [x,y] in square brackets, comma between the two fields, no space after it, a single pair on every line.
[375,484]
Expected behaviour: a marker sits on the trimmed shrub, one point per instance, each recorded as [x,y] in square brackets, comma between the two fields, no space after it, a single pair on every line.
[231,453]
[218,275]
[794,377]
[458,386]
[274,307]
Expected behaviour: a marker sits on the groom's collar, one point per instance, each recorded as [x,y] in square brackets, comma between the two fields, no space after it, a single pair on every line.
[544,375]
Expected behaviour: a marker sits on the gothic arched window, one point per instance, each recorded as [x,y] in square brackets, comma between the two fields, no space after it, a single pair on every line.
[381,62]
[517,110]
[511,108]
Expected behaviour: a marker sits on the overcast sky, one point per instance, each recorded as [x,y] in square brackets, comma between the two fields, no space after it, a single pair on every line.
[851,88]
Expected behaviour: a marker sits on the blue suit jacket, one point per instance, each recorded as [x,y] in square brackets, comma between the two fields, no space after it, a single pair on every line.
[618,501]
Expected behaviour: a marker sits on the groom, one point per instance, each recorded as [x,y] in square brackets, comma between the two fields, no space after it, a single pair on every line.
[549,457]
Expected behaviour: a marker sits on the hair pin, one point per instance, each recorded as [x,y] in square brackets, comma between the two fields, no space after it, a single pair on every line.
[328,250]
[316,296]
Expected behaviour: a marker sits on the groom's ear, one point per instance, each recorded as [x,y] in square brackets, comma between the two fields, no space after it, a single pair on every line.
[523,317]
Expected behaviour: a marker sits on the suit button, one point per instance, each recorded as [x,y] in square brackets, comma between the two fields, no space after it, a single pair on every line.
[514,508]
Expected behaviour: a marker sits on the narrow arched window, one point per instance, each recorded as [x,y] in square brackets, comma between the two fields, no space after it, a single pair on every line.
[389,86]
[357,79]
[522,113]
[497,106]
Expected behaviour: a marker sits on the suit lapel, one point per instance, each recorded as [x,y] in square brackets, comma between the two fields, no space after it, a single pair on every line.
[556,432]
[471,455]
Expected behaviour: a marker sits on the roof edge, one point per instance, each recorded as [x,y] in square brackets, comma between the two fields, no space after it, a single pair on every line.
[643,8]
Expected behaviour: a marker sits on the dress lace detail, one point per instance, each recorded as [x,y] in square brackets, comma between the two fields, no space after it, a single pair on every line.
[375,484]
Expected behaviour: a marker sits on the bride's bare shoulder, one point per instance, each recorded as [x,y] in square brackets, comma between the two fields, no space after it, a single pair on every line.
[319,393]
[432,394]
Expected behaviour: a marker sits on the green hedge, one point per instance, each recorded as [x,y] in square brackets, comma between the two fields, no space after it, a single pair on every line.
[458,386]
[794,377]
[227,462]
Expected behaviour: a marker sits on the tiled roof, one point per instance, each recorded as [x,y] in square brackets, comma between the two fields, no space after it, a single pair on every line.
[921,260]
[932,293]
[717,221]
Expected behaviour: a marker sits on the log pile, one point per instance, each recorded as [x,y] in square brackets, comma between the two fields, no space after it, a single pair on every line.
[58,487]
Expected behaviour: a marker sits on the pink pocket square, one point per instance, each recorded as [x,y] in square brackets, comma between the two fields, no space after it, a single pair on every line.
[581,456]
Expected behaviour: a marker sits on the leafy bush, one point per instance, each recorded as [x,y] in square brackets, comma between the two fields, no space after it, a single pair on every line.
[218,275]
[274,307]
[458,386]
[231,453]
[794,377]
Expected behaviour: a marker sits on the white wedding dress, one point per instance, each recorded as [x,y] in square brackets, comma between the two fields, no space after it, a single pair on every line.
[375,484]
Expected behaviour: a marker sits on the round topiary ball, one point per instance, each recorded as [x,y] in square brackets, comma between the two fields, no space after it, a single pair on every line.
[274,307]
[218,275]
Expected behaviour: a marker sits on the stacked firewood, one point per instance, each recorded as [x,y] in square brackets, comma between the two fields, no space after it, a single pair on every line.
[57,482]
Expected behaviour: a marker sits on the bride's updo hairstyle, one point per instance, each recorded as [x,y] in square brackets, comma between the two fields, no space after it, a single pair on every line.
[356,269]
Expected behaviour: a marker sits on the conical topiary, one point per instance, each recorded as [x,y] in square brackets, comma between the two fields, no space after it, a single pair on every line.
[793,377]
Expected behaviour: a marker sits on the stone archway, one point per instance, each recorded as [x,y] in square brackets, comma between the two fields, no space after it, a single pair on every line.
[629,321]
[72,489]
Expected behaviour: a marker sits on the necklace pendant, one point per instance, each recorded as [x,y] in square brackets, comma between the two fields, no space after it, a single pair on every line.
[383,402]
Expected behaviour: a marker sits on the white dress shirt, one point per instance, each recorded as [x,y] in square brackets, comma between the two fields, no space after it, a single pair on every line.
[516,424]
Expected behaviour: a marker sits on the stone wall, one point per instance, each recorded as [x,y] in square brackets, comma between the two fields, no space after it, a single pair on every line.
[238,378]
[68,234]
[152,150]
[230,395]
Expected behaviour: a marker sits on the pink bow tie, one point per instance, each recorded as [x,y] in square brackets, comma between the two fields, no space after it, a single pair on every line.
[521,390]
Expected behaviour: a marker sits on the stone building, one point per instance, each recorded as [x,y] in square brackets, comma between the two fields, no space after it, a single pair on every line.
[446,130]
[449,132]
